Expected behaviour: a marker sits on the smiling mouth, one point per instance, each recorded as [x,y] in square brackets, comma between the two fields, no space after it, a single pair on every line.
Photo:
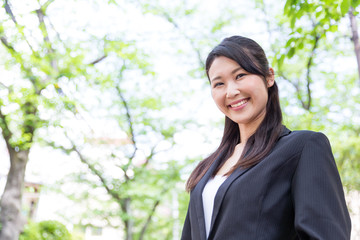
[239,103]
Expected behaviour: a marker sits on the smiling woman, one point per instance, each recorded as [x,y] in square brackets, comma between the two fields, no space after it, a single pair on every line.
[264,181]
[240,95]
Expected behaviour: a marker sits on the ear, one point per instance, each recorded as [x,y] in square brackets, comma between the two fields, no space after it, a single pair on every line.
[270,80]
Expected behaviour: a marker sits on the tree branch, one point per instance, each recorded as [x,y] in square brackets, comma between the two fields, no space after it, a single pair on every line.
[98,60]
[20,60]
[306,105]
[6,44]
[150,156]
[125,205]
[153,152]
[171,20]
[44,9]
[46,5]
[4,86]
[92,168]
[296,86]
[280,73]
[6,132]
[151,214]
[128,115]
[355,37]
[41,14]
[9,11]
[191,41]
[308,77]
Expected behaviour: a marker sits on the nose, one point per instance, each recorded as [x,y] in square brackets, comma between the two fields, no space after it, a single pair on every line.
[232,90]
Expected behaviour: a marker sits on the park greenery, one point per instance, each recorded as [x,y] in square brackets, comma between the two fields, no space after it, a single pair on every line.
[45,230]
[116,86]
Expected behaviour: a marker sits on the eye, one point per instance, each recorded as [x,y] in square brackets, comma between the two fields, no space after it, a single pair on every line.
[240,76]
[217,84]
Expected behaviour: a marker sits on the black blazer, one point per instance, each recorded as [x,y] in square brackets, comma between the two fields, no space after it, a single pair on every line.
[293,193]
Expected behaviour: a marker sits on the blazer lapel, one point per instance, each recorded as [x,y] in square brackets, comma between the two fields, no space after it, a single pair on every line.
[221,193]
[224,187]
[197,195]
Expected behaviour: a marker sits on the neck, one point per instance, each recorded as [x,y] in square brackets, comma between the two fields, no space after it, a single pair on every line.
[246,130]
[245,133]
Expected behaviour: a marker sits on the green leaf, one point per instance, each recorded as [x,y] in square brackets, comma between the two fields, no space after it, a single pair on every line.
[292,22]
[288,6]
[300,45]
[288,43]
[291,52]
[345,6]
[333,28]
[355,3]
[280,61]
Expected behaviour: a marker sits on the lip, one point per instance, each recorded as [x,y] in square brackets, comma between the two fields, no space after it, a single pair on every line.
[239,101]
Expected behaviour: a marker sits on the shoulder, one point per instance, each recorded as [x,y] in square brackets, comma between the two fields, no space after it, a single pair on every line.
[304,136]
[297,141]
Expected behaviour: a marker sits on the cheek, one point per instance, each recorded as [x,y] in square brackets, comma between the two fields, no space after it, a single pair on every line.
[264,99]
[260,91]
[213,95]
[216,97]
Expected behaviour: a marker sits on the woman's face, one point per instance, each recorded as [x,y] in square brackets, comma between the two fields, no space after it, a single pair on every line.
[240,95]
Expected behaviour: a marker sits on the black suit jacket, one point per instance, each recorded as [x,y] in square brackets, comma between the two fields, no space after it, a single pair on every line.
[293,193]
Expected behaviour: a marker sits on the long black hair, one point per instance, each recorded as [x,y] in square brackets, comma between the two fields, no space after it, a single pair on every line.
[251,57]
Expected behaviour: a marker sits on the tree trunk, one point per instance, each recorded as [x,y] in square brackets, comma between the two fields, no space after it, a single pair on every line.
[128,222]
[355,38]
[10,216]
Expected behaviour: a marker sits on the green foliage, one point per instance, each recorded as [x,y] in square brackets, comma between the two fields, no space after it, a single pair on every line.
[307,26]
[31,232]
[313,18]
[345,6]
[45,230]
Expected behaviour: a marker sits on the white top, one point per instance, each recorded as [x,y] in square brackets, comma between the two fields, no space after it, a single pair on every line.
[208,197]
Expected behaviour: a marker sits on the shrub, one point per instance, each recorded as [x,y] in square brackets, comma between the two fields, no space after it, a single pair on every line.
[45,230]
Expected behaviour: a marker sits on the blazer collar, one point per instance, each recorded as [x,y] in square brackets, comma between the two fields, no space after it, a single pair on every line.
[197,192]
[285,131]
[219,197]
[197,195]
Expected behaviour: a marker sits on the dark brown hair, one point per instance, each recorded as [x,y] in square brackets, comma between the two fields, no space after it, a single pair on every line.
[251,57]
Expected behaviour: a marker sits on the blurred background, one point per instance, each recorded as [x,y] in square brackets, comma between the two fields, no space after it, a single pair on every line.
[105,107]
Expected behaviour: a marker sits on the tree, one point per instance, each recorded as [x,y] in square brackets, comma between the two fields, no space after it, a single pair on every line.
[63,84]
[310,45]
[129,172]
[138,189]
[324,16]
[40,63]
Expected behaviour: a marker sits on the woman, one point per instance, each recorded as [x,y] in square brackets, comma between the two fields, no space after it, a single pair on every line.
[264,181]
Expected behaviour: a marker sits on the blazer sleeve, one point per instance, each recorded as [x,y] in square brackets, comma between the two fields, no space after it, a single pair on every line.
[319,203]
[186,232]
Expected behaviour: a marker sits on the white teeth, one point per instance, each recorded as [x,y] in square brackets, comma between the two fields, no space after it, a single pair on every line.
[239,103]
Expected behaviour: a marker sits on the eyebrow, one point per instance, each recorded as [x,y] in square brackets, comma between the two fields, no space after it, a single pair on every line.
[232,72]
